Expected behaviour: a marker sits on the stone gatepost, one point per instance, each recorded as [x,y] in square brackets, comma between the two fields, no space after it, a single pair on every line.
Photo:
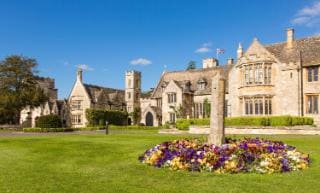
[216,134]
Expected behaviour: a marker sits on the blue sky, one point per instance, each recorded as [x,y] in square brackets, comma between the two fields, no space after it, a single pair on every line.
[109,37]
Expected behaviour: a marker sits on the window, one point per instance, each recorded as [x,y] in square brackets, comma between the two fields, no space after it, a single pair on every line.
[76,105]
[259,73]
[258,106]
[313,73]
[202,86]
[159,102]
[129,95]
[172,117]
[129,83]
[76,119]
[313,104]
[202,83]
[172,97]
[199,111]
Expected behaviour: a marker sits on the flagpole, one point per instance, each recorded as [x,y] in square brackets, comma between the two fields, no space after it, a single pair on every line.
[217,54]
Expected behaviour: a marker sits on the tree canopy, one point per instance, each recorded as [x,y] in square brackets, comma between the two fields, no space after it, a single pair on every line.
[18,87]
[191,65]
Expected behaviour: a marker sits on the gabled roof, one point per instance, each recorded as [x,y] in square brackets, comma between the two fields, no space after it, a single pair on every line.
[182,78]
[104,94]
[309,48]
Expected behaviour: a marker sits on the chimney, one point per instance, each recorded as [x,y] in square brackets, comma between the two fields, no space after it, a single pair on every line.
[210,62]
[230,61]
[240,51]
[290,37]
[79,74]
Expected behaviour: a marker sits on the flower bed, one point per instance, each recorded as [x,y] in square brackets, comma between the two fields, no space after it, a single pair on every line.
[236,156]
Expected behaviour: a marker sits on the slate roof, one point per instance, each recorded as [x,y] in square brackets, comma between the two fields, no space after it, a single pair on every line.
[309,48]
[191,77]
[99,94]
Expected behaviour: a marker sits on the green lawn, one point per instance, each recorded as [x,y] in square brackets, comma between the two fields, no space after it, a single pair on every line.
[99,163]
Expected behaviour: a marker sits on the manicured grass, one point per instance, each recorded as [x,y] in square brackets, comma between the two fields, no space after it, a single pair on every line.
[99,163]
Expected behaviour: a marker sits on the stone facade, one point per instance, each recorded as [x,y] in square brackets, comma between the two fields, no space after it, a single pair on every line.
[29,115]
[179,94]
[85,96]
[273,79]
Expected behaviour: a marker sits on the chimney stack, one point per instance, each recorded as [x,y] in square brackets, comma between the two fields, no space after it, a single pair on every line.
[230,61]
[290,37]
[79,74]
[210,63]
[239,51]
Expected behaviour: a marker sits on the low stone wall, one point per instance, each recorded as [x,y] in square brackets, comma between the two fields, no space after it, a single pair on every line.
[298,130]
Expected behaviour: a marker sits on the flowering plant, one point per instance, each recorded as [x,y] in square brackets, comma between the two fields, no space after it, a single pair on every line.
[235,156]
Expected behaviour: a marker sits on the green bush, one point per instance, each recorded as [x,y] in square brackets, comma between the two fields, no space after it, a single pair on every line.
[246,121]
[49,121]
[249,121]
[133,127]
[46,130]
[97,117]
[92,128]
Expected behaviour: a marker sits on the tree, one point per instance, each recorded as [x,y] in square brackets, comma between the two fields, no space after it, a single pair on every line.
[179,111]
[191,65]
[18,87]
[136,115]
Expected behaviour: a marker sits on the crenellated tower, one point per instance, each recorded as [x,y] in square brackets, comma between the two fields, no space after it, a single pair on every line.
[132,90]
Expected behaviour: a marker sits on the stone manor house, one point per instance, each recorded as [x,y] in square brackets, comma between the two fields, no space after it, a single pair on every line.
[265,80]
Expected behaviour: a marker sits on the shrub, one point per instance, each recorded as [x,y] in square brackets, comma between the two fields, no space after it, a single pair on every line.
[133,127]
[45,130]
[249,121]
[97,117]
[92,128]
[246,121]
[49,121]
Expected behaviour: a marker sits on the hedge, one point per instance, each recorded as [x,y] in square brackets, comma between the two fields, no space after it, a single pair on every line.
[133,127]
[49,121]
[45,130]
[97,117]
[249,121]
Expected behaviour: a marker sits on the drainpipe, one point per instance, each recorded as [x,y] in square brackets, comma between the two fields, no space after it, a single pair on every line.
[300,85]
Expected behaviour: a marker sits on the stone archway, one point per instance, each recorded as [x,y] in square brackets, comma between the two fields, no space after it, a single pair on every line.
[149,119]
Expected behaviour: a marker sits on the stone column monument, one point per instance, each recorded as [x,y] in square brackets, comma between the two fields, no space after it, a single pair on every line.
[216,134]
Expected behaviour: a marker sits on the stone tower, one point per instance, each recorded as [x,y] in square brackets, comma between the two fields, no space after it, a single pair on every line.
[133,90]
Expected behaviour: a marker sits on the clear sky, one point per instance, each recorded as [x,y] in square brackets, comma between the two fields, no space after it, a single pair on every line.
[110,37]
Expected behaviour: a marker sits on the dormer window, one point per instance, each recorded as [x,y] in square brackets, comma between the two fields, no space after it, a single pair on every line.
[202,83]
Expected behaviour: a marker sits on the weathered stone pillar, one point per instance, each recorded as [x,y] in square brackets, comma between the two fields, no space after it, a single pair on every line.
[216,135]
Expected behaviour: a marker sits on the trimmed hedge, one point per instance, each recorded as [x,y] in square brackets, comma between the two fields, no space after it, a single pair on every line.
[46,130]
[133,127]
[49,121]
[97,117]
[249,121]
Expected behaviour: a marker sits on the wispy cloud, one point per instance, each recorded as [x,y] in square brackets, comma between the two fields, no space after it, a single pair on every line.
[85,67]
[308,16]
[141,62]
[206,47]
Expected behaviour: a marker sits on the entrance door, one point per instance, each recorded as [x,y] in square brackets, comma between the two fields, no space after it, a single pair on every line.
[149,119]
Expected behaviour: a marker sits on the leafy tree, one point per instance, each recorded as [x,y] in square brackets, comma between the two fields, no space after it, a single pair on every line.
[191,65]
[207,108]
[179,111]
[136,114]
[18,87]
